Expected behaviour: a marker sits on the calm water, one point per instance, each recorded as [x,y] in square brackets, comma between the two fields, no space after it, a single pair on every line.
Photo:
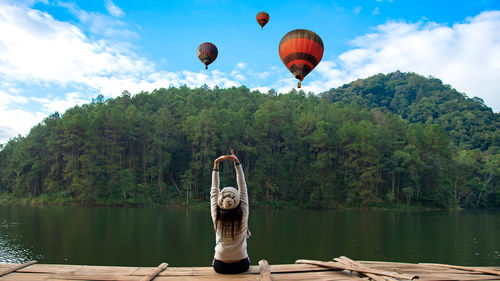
[183,237]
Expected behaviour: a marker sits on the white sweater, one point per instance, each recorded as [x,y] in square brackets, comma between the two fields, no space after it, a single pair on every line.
[227,248]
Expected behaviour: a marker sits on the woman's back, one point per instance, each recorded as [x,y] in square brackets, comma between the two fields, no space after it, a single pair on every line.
[229,210]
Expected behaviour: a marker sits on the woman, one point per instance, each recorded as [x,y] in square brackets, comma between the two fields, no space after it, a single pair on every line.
[230,218]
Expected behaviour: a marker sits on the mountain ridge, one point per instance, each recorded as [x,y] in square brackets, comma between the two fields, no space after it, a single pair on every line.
[427,100]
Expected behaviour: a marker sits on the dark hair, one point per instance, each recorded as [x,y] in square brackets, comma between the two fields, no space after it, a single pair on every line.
[230,221]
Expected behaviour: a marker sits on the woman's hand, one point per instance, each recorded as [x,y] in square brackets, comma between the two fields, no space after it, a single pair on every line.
[225,157]
[233,157]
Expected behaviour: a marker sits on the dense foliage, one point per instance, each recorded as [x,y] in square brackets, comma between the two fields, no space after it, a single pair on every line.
[396,139]
[468,121]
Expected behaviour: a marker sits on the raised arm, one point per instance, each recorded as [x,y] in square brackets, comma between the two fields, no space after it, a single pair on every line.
[240,180]
[242,187]
[214,190]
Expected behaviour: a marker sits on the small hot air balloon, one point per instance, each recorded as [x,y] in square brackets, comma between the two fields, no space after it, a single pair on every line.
[301,50]
[207,53]
[262,19]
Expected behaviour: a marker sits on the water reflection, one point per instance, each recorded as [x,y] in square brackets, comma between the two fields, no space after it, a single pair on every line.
[13,247]
[184,237]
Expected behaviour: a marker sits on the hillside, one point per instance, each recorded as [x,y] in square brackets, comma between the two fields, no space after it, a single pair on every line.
[468,121]
[389,140]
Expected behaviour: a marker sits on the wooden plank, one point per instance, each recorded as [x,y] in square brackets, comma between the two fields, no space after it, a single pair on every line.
[317,276]
[461,277]
[93,269]
[18,276]
[187,271]
[361,265]
[265,272]
[190,271]
[155,272]
[339,275]
[336,271]
[93,277]
[217,277]
[66,268]
[435,273]
[74,277]
[410,266]
[5,266]
[475,269]
[348,261]
[254,269]
[346,267]
[16,267]
[291,268]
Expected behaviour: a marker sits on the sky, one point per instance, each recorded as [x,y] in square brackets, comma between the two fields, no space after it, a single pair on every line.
[55,54]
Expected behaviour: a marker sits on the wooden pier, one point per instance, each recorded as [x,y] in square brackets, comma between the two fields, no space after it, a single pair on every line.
[338,269]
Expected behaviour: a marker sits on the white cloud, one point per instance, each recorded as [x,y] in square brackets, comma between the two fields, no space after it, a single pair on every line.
[338,8]
[262,75]
[113,10]
[236,74]
[36,47]
[100,24]
[376,11]
[14,121]
[261,89]
[465,55]
[115,85]
[60,104]
[241,65]
[6,99]
[356,10]
[330,77]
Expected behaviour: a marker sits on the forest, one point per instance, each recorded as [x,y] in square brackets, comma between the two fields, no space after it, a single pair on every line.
[390,140]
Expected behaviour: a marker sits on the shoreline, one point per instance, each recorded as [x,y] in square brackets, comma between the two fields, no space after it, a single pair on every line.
[8,199]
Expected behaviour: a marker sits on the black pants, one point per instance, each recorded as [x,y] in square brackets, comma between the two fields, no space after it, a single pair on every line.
[231,268]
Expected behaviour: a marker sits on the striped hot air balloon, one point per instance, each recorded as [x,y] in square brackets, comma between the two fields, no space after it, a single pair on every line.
[301,50]
[207,53]
[262,19]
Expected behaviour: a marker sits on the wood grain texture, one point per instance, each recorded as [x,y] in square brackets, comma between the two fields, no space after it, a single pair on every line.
[15,268]
[344,269]
[155,272]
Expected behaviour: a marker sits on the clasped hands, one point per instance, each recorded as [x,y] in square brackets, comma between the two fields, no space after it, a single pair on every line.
[225,157]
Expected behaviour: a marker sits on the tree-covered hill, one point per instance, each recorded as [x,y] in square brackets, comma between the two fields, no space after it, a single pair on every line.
[295,148]
[468,121]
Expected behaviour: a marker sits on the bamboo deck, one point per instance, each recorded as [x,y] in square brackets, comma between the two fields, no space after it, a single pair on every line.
[340,269]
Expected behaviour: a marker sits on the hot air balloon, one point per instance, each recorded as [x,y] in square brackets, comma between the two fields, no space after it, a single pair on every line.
[207,53]
[262,19]
[301,50]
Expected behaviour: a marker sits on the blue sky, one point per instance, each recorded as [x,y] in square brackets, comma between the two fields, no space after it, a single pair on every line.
[55,54]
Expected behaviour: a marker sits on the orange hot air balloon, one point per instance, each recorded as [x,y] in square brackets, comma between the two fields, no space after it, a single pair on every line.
[301,50]
[262,19]
[207,53]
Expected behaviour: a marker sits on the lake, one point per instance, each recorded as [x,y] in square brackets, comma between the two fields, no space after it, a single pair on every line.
[184,237]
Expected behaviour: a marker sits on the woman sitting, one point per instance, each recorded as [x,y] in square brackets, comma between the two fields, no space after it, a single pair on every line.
[229,208]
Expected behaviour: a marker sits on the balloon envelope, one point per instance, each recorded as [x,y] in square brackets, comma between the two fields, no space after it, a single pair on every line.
[207,53]
[262,19]
[301,50]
